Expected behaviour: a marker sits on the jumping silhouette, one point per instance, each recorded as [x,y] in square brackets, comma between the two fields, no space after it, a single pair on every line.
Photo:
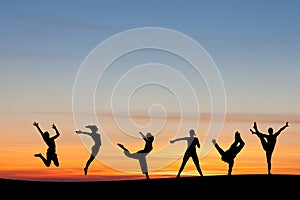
[141,154]
[192,143]
[229,155]
[50,141]
[268,142]
[95,148]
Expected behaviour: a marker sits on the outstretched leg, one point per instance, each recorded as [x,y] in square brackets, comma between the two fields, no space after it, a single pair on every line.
[184,161]
[55,160]
[92,157]
[197,164]
[45,161]
[219,149]
[122,147]
[237,146]
[52,156]
[262,141]
[141,157]
[95,150]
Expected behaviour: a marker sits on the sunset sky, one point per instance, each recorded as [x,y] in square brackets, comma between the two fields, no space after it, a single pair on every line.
[163,67]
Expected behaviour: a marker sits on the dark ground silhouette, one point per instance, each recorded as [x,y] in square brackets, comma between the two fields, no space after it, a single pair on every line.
[234,187]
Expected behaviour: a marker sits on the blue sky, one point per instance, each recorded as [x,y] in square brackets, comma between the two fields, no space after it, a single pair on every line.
[255,45]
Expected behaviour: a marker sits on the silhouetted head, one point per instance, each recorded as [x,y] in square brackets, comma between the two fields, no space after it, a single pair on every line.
[270,131]
[192,132]
[46,134]
[93,128]
[149,135]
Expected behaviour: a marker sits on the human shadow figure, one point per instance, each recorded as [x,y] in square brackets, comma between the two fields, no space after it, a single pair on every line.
[191,152]
[229,155]
[96,137]
[140,155]
[51,150]
[268,142]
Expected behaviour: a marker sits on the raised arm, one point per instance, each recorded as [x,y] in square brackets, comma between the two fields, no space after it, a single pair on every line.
[36,124]
[281,129]
[143,136]
[56,131]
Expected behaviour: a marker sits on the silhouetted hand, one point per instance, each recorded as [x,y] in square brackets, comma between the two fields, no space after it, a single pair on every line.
[214,141]
[35,124]
[287,124]
[53,126]
[79,131]
[172,141]
[255,126]
[252,131]
[237,135]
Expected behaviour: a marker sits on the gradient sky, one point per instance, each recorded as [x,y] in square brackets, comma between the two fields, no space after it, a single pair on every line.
[254,45]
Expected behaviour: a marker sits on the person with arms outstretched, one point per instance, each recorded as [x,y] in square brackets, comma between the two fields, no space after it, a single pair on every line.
[229,155]
[191,152]
[50,141]
[268,141]
[95,148]
[140,155]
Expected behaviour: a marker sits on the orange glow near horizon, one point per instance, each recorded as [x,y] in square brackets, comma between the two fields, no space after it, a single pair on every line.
[21,142]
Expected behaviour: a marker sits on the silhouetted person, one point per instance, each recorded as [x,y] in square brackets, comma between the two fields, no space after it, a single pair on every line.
[192,143]
[268,142]
[95,148]
[229,155]
[141,154]
[50,141]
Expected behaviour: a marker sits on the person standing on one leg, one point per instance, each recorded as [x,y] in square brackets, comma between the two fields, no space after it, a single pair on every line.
[140,155]
[191,152]
[268,142]
[50,141]
[229,155]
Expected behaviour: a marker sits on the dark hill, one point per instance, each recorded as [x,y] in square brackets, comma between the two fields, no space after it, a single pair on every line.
[234,187]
